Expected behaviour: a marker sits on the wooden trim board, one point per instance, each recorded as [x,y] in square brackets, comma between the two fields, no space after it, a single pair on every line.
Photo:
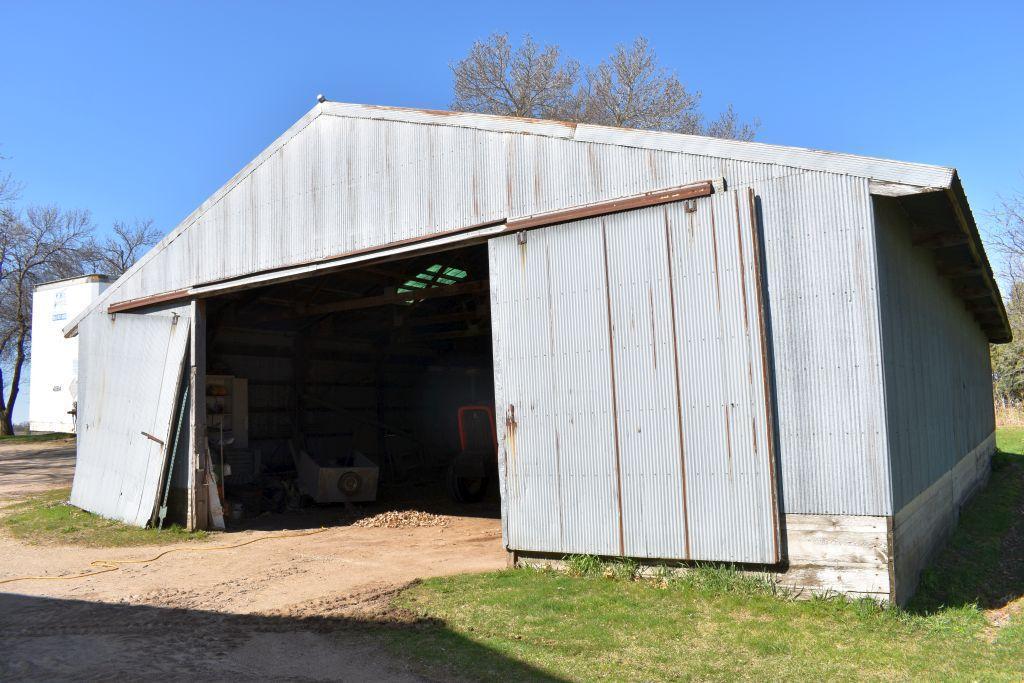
[922,526]
[828,554]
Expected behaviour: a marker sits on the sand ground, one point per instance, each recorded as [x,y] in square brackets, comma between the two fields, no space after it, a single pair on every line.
[282,608]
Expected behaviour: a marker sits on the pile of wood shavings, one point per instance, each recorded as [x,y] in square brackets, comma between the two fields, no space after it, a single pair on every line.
[401,519]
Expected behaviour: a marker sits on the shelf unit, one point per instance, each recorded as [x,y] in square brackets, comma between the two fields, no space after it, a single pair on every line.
[227,405]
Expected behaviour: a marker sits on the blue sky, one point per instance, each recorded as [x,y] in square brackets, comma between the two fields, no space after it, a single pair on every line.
[144,109]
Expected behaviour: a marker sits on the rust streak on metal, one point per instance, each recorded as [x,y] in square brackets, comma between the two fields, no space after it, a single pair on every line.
[769,413]
[458,114]
[651,165]
[714,252]
[153,438]
[511,427]
[679,399]
[145,301]
[509,165]
[753,432]
[558,487]
[673,194]
[476,191]
[615,410]
[554,391]
[595,168]
[747,319]
[743,265]
[654,335]
[728,438]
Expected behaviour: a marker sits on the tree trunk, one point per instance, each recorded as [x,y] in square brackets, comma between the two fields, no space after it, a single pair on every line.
[6,428]
[7,415]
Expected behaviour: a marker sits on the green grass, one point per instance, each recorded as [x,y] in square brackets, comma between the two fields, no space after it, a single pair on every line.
[34,438]
[597,621]
[983,563]
[47,519]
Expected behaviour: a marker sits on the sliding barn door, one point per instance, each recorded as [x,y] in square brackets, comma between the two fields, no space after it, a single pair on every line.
[632,385]
[130,373]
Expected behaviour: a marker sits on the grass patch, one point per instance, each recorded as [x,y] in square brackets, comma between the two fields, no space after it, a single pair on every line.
[35,438]
[983,562]
[535,624]
[600,620]
[47,519]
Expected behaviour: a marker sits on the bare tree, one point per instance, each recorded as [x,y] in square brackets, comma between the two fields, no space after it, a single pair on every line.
[630,89]
[1008,236]
[728,126]
[117,252]
[530,80]
[45,243]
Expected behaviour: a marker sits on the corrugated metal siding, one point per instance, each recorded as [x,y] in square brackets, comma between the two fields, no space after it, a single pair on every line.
[937,366]
[129,373]
[729,462]
[644,353]
[341,184]
[552,379]
[337,184]
[822,292]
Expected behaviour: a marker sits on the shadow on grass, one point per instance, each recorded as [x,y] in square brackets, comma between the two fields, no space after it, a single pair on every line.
[58,639]
[983,562]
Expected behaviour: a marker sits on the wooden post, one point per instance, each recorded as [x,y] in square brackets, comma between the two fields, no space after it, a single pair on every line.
[198,502]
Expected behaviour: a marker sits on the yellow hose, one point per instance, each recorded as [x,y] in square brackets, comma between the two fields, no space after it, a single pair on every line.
[104,566]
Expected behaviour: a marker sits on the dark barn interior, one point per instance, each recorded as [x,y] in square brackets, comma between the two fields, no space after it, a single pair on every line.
[361,369]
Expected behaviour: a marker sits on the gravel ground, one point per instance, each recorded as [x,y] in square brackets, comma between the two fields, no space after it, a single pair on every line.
[292,608]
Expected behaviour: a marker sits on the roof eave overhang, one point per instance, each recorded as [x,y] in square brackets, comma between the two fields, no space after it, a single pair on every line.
[992,315]
[954,231]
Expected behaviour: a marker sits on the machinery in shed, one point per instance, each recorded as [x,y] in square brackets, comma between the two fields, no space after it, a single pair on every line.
[369,385]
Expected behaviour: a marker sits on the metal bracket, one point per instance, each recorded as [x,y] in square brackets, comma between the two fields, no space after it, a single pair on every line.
[152,438]
[521,237]
[690,205]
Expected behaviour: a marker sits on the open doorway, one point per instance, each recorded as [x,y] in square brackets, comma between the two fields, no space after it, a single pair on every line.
[355,392]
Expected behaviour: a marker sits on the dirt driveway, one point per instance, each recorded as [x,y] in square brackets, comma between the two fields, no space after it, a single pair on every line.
[31,467]
[292,608]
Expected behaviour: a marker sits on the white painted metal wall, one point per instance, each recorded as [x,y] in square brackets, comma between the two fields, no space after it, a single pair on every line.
[130,377]
[54,359]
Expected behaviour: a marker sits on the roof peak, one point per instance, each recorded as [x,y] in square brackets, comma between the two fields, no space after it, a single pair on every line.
[875,168]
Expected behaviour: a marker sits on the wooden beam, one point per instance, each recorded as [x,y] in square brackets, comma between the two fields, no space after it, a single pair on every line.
[973,293]
[882,188]
[462,316]
[145,301]
[963,270]
[473,287]
[975,305]
[198,503]
[967,225]
[941,240]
